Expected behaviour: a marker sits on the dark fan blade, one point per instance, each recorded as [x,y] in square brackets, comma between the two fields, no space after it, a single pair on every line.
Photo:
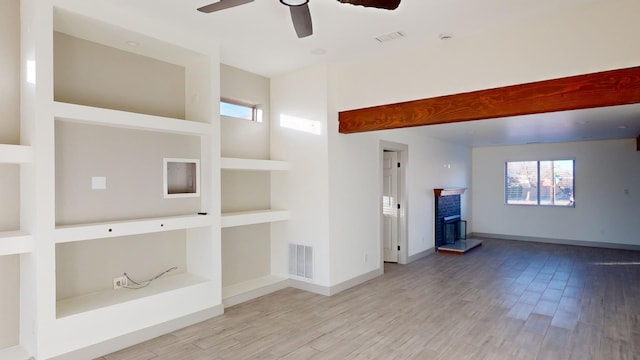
[222,4]
[380,4]
[301,18]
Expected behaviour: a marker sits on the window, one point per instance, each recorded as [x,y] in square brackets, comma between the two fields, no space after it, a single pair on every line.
[239,110]
[548,183]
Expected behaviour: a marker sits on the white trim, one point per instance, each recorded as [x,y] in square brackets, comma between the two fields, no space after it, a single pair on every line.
[596,244]
[338,288]
[252,289]
[421,255]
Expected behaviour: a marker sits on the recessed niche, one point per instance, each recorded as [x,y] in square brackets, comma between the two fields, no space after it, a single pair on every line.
[181,178]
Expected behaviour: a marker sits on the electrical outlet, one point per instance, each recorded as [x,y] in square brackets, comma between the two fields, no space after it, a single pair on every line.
[119,282]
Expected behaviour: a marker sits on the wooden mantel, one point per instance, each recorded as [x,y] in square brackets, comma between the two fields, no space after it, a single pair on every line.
[608,88]
[449,191]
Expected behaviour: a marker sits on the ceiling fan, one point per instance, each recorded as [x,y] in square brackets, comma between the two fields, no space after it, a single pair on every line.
[299,9]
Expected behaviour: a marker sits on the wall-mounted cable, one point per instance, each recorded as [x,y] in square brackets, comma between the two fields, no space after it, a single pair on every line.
[132,284]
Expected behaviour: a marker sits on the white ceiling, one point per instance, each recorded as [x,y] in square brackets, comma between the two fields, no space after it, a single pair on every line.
[259,37]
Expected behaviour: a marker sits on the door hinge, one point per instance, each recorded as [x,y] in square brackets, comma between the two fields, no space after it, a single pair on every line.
[398,206]
[398,247]
[398,164]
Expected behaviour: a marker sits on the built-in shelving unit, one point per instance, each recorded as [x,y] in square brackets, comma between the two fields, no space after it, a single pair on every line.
[14,353]
[15,154]
[127,120]
[15,242]
[253,164]
[71,233]
[99,121]
[103,299]
[253,217]
[250,289]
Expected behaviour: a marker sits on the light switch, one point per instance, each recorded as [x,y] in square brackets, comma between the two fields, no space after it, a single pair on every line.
[98,182]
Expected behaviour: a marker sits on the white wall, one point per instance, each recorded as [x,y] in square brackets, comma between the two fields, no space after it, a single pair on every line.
[304,189]
[333,189]
[355,182]
[607,192]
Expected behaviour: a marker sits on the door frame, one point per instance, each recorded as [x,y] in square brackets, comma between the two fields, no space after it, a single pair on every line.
[403,156]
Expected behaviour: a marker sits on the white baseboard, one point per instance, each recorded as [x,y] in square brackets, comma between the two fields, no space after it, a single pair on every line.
[255,293]
[136,337]
[332,290]
[420,255]
[597,244]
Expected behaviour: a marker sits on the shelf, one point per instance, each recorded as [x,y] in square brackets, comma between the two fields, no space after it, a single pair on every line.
[253,164]
[253,217]
[248,290]
[14,353]
[15,242]
[449,191]
[15,154]
[70,233]
[98,300]
[116,118]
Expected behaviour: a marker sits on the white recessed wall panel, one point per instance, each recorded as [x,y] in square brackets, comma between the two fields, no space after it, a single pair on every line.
[243,138]
[9,300]
[245,190]
[89,73]
[245,249]
[132,163]
[89,266]
[9,197]
[10,72]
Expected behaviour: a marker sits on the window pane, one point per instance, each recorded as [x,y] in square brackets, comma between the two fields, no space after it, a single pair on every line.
[556,183]
[521,183]
[236,111]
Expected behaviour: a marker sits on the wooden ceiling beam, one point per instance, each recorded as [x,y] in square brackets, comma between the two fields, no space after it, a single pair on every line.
[607,88]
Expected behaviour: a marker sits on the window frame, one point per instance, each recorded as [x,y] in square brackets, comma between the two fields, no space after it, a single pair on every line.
[256,110]
[571,204]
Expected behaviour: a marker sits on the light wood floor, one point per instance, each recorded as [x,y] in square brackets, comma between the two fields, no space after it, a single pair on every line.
[504,300]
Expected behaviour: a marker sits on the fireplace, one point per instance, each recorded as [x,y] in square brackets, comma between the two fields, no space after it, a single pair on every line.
[450,229]
[455,229]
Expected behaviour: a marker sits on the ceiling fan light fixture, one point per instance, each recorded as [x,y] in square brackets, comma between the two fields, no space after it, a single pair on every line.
[294,2]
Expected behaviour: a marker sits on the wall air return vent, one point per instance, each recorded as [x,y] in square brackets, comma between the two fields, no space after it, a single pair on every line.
[301,261]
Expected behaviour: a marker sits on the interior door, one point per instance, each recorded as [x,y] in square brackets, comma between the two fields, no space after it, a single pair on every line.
[390,205]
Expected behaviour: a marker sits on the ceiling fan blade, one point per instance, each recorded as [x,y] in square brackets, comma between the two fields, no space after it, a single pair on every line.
[222,4]
[380,4]
[301,17]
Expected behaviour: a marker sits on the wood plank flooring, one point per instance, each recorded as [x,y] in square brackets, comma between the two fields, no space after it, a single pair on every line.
[504,300]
